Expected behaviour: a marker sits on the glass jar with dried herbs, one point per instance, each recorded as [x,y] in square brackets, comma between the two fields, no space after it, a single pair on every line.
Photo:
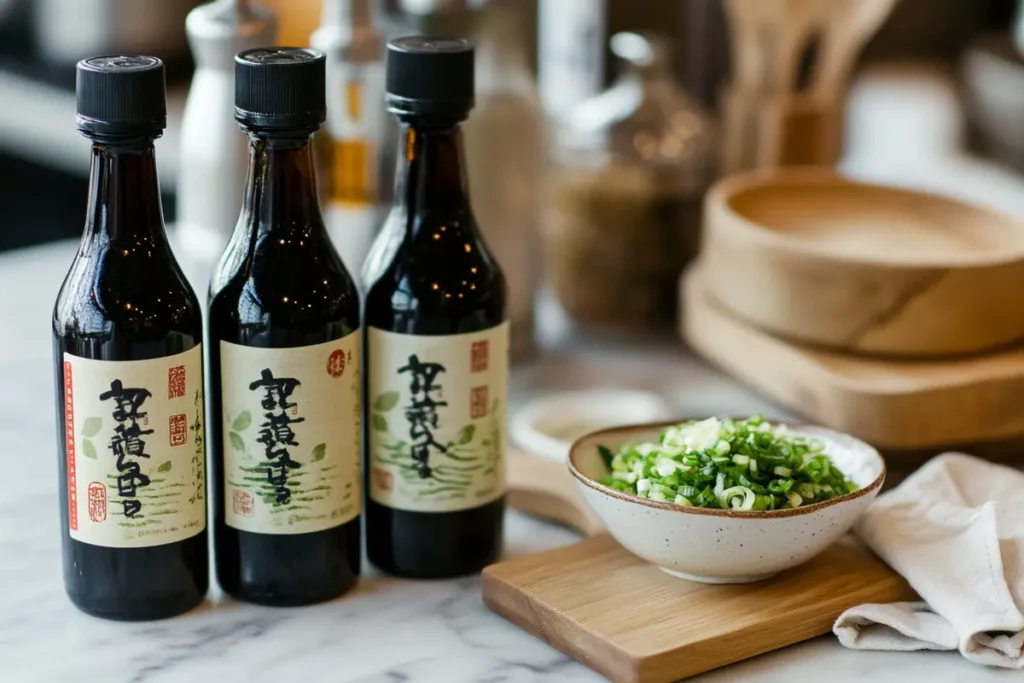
[632,166]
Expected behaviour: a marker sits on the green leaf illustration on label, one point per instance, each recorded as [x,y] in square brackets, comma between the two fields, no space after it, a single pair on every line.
[92,426]
[437,420]
[292,435]
[386,401]
[241,422]
[133,421]
[466,434]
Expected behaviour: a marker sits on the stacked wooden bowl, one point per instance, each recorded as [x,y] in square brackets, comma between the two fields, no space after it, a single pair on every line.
[896,316]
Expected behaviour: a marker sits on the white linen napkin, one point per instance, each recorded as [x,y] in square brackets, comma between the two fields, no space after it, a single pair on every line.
[955,530]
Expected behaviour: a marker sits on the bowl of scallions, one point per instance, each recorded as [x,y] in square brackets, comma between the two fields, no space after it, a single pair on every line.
[725,500]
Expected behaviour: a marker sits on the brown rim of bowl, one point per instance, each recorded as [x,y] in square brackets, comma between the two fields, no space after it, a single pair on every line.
[719,198]
[717,512]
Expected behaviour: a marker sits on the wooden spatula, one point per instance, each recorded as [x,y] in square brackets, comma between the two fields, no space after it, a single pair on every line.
[848,27]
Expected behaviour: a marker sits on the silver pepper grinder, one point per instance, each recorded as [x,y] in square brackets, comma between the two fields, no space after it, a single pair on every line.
[214,151]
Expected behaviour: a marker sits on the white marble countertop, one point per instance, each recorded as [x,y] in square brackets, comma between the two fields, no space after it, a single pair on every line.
[387,630]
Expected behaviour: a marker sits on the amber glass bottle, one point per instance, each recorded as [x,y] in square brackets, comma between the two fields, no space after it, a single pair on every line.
[284,358]
[436,338]
[127,333]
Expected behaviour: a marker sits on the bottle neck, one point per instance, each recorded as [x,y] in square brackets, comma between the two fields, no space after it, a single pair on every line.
[124,194]
[431,170]
[280,192]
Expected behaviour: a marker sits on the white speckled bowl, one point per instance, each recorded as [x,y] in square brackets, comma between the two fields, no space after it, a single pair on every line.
[725,546]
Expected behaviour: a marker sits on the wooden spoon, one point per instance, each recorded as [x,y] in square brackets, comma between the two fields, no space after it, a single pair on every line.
[745,41]
[792,23]
[848,27]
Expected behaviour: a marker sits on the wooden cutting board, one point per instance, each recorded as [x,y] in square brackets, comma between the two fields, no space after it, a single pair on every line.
[629,621]
[895,405]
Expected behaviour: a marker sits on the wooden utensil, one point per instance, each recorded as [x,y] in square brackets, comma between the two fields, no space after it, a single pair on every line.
[739,115]
[632,622]
[790,24]
[848,26]
[745,41]
[797,130]
[897,406]
[738,101]
[767,122]
[812,256]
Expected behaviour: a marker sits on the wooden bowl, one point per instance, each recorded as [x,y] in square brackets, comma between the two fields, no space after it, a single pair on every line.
[810,255]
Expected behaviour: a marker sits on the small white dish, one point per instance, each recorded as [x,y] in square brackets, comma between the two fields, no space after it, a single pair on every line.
[710,545]
[548,426]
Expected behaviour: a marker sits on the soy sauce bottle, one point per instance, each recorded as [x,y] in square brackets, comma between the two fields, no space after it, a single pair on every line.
[284,358]
[127,333]
[436,338]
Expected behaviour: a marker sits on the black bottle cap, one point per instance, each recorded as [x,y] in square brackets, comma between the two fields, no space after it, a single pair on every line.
[431,76]
[280,88]
[121,96]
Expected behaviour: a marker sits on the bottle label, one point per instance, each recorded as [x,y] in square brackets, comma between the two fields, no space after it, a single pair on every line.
[291,423]
[438,415]
[136,449]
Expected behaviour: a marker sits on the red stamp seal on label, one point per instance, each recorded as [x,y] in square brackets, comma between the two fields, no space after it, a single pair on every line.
[478,402]
[176,382]
[179,429]
[242,503]
[383,479]
[480,356]
[336,364]
[97,502]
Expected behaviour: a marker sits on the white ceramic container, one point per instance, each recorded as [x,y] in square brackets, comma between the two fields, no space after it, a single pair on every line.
[725,546]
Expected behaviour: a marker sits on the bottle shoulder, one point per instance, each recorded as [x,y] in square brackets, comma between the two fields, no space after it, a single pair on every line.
[134,292]
[284,282]
[440,274]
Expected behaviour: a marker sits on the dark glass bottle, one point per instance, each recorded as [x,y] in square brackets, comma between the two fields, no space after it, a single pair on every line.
[284,358]
[127,333]
[436,338]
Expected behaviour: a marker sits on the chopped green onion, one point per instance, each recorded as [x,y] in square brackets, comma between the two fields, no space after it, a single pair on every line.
[665,467]
[737,498]
[724,463]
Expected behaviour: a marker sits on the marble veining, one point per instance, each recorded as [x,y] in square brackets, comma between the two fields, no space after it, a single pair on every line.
[385,631]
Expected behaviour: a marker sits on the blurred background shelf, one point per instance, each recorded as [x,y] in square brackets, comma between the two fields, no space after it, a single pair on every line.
[45,160]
